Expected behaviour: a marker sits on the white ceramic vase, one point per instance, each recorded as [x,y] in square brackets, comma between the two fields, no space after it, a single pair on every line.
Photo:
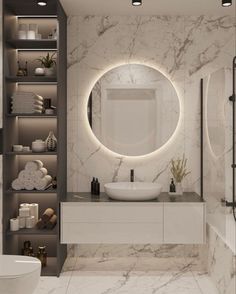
[179,188]
[49,71]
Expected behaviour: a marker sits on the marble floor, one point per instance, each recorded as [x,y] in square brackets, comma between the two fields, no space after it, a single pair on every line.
[124,275]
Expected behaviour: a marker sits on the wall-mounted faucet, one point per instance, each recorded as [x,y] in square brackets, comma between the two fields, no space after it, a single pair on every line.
[131,175]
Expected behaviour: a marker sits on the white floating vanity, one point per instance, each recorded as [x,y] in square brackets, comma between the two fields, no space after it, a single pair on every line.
[89,220]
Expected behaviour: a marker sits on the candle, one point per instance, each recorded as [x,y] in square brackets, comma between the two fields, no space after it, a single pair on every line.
[14,224]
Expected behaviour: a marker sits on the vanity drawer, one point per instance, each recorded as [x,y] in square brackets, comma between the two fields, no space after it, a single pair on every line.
[112,233]
[115,213]
[184,223]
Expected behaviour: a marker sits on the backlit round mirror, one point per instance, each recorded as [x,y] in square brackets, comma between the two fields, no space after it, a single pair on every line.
[133,109]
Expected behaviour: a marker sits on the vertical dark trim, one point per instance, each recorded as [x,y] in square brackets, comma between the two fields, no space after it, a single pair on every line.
[232,98]
[90,110]
[201,140]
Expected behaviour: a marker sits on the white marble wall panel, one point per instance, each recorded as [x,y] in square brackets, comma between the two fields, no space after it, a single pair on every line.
[183,48]
[221,263]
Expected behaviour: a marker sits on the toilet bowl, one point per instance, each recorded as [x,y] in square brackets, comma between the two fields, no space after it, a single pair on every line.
[19,274]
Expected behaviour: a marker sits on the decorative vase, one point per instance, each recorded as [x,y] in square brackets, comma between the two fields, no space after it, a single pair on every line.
[51,142]
[179,188]
[39,71]
[49,71]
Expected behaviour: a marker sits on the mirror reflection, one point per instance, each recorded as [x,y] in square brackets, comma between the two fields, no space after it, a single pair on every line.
[133,109]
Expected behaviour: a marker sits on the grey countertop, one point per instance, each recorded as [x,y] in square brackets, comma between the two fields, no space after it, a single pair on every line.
[103,197]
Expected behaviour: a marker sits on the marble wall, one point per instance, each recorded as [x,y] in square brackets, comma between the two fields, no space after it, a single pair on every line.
[221,263]
[183,48]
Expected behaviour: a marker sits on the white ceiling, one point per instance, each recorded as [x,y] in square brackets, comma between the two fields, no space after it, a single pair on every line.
[149,7]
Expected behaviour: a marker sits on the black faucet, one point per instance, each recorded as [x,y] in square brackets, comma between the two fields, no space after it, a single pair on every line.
[131,175]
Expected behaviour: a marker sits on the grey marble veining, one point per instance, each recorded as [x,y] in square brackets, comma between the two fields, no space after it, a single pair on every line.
[103,197]
[129,275]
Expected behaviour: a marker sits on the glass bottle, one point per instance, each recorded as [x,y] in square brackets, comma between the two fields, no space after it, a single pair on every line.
[42,255]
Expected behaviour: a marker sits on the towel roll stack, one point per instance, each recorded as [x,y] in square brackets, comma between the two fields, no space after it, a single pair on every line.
[34,176]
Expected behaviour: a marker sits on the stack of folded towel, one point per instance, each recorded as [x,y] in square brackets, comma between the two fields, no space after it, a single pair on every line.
[26,102]
[34,176]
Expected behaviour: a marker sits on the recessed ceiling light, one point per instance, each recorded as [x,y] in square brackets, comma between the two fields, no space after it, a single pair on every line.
[226,3]
[42,2]
[136,2]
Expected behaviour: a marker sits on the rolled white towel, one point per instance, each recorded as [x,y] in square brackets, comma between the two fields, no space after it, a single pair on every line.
[29,185]
[24,175]
[17,185]
[33,165]
[43,183]
[41,173]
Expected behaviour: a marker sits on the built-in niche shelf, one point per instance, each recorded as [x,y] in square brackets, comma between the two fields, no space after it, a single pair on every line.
[33,44]
[48,191]
[24,128]
[31,115]
[32,79]
[31,153]
[51,267]
[33,232]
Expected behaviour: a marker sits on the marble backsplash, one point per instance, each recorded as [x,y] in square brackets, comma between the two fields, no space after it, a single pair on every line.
[167,257]
[184,48]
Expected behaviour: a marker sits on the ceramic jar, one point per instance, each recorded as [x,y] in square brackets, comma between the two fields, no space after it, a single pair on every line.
[39,71]
[38,146]
[51,142]
[49,71]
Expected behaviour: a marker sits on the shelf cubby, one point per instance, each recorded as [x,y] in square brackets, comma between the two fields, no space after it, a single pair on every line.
[33,44]
[30,153]
[24,128]
[32,79]
[33,231]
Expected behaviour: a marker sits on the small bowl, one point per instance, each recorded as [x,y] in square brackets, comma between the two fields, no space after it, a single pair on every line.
[39,71]
[38,146]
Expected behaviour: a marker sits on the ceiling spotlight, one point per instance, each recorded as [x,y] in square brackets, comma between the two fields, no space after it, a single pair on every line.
[226,3]
[136,2]
[42,2]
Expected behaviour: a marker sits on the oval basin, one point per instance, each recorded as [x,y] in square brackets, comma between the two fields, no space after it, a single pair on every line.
[133,191]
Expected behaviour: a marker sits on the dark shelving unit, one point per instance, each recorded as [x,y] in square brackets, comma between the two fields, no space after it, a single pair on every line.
[33,232]
[20,128]
[33,44]
[31,79]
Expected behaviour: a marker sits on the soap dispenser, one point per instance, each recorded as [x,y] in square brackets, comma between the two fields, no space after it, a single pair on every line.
[172,186]
[93,186]
[97,187]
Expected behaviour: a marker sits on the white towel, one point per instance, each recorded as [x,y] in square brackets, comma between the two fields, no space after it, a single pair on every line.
[17,185]
[29,185]
[43,183]
[20,103]
[33,165]
[24,175]
[27,111]
[27,108]
[23,94]
[41,173]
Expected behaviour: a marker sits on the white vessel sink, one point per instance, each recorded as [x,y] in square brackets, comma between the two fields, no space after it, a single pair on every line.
[133,191]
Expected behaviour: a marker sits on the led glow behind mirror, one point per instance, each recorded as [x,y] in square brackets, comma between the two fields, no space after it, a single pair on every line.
[133,110]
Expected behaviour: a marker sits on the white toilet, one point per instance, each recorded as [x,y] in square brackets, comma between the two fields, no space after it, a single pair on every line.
[19,274]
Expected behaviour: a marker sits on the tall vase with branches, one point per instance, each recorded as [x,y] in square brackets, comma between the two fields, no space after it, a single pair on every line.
[179,171]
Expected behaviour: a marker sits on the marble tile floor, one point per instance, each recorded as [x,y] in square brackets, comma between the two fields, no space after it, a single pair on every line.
[124,275]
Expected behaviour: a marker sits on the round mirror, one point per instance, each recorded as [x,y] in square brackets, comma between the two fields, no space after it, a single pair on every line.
[133,109]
